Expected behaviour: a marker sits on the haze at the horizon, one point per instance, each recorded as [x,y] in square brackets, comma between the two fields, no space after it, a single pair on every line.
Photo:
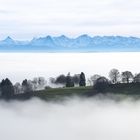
[33,18]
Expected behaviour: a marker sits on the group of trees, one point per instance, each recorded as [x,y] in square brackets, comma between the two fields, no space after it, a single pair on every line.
[115,77]
[7,89]
[124,77]
[70,81]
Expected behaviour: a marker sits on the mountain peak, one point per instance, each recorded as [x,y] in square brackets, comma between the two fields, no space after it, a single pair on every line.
[8,38]
[84,36]
[48,37]
[83,42]
[62,36]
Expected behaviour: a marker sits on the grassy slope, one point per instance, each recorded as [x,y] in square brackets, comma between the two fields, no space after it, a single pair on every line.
[127,89]
[62,92]
[58,93]
[124,89]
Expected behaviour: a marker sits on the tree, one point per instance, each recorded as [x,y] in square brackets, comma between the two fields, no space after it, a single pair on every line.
[69,81]
[114,75]
[52,80]
[17,88]
[82,81]
[137,78]
[76,79]
[127,76]
[38,83]
[7,89]
[35,83]
[101,84]
[61,79]
[27,86]
[93,79]
[41,82]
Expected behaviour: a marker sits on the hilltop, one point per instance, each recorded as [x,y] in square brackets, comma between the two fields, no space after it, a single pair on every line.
[56,94]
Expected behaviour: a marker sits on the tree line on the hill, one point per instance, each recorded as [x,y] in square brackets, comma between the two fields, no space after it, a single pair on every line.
[69,81]
[7,89]
[115,77]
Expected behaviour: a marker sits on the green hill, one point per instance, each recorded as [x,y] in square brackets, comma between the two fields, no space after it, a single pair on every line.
[131,89]
[57,93]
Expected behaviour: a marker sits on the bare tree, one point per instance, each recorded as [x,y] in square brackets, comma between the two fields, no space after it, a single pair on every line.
[39,83]
[93,79]
[127,76]
[114,76]
[52,80]
[18,88]
[137,78]
[35,83]
[27,86]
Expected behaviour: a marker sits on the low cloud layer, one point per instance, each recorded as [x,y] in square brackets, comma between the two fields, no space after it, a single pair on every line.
[97,118]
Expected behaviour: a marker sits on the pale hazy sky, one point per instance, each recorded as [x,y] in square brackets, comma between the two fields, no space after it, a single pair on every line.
[24,19]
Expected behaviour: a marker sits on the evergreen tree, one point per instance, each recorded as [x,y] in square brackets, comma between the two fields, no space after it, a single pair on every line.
[7,89]
[82,79]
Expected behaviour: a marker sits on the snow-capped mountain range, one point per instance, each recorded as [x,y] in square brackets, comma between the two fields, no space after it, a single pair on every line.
[83,43]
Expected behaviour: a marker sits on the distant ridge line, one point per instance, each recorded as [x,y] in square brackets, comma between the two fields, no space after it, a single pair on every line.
[82,43]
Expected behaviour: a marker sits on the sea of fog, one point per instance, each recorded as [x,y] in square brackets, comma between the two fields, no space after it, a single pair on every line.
[18,66]
[97,118]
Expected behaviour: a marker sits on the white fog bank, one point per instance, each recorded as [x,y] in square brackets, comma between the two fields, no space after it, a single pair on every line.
[18,66]
[74,119]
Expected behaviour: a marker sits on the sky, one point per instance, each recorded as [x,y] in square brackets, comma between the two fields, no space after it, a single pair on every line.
[25,19]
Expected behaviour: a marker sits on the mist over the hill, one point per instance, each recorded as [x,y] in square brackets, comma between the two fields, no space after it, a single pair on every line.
[99,118]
